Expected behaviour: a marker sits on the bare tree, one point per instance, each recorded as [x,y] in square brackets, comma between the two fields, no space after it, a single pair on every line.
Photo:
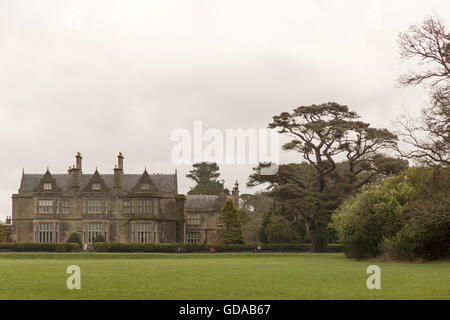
[428,43]
[428,137]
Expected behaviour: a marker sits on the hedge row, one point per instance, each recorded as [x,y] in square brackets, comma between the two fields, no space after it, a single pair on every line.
[179,247]
[44,247]
[161,247]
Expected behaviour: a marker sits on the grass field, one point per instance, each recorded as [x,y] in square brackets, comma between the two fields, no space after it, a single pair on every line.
[216,276]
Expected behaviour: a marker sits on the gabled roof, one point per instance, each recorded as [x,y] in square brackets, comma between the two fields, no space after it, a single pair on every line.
[163,182]
[145,179]
[201,201]
[96,178]
[47,178]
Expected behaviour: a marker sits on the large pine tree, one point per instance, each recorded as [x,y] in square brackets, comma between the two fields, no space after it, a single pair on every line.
[206,175]
[229,224]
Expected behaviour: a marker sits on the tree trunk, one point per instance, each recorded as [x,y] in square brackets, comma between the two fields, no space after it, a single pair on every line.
[321,182]
[318,244]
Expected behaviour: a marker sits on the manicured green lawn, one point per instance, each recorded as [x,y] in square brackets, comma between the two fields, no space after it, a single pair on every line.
[215,276]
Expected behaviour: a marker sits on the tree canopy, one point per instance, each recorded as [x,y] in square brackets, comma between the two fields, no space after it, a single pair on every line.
[323,133]
[404,217]
[229,224]
[205,175]
[279,230]
[339,154]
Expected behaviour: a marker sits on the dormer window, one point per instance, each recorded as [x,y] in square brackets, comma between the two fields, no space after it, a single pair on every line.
[47,186]
[145,186]
[96,186]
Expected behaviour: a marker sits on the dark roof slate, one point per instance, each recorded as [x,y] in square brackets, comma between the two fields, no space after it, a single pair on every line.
[163,182]
[201,201]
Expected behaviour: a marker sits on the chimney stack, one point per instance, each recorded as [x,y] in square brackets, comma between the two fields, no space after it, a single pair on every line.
[120,160]
[75,172]
[79,161]
[8,220]
[118,173]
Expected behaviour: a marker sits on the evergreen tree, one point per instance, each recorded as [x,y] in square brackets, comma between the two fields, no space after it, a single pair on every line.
[323,135]
[262,230]
[279,230]
[206,175]
[229,224]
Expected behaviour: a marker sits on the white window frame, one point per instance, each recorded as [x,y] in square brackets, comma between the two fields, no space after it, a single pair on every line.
[145,206]
[144,233]
[96,186]
[94,229]
[94,206]
[193,237]
[65,206]
[47,186]
[45,206]
[45,232]
[193,219]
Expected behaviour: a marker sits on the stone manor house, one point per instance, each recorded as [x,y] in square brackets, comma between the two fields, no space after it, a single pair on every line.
[129,208]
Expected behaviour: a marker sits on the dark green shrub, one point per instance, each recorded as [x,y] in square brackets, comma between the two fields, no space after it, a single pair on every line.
[173,247]
[404,217]
[75,238]
[363,221]
[279,230]
[166,247]
[6,246]
[99,238]
[37,247]
[100,246]
[60,248]
[428,215]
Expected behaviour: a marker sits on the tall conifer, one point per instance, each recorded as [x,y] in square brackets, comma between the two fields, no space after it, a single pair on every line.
[229,224]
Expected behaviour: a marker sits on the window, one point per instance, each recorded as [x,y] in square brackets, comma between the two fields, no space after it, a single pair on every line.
[65,207]
[45,232]
[193,237]
[47,186]
[45,206]
[96,186]
[145,206]
[126,207]
[95,206]
[94,229]
[144,233]
[145,186]
[193,219]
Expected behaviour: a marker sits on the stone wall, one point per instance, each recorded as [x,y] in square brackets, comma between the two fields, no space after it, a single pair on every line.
[26,218]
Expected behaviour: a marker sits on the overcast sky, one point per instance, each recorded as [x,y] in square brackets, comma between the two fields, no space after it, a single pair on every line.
[101,77]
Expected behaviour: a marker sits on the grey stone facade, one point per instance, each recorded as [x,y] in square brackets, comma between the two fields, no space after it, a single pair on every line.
[129,208]
[201,215]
